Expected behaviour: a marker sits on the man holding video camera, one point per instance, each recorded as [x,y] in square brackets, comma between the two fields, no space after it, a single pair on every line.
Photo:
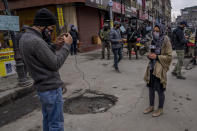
[43,65]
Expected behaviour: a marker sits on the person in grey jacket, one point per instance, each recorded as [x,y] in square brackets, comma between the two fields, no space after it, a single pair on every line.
[116,41]
[43,65]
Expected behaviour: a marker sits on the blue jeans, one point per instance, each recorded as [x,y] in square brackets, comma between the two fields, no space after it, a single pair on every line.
[117,56]
[52,110]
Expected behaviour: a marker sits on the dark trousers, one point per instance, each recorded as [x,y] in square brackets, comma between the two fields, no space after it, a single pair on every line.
[73,48]
[130,46]
[155,85]
[117,56]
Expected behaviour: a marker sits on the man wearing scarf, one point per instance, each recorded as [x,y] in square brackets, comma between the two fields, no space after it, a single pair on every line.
[156,74]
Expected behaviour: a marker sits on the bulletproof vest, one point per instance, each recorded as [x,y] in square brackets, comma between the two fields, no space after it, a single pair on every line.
[105,35]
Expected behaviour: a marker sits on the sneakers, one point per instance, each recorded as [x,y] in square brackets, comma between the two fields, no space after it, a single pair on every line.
[174,73]
[158,113]
[181,77]
[117,70]
[149,110]
[178,76]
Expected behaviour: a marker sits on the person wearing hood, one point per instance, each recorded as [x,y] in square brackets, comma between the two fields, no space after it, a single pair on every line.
[73,32]
[43,65]
[160,57]
[116,41]
[179,43]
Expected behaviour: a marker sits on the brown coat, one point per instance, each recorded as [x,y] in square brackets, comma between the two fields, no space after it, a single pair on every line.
[161,66]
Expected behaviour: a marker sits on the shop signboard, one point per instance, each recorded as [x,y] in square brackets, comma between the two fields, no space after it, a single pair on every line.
[139,2]
[128,11]
[117,8]
[9,23]
[143,16]
[101,4]
[7,63]
[60,16]
[134,11]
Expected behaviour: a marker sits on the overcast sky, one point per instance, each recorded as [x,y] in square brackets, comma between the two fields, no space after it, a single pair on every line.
[180,4]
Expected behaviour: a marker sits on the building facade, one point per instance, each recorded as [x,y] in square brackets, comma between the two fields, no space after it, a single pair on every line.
[189,14]
[89,16]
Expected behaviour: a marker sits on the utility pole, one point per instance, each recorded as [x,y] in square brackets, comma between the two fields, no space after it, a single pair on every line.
[111,13]
[121,12]
[20,66]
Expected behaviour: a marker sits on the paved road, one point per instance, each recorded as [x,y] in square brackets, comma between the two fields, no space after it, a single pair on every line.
[87,71]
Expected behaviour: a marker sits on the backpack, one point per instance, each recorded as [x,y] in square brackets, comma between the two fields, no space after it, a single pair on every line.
[174,38]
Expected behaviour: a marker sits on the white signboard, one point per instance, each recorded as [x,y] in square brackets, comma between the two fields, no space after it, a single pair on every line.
[139,2]
[9,23]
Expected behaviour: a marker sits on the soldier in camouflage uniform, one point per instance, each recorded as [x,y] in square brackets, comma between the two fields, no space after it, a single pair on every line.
[105,38]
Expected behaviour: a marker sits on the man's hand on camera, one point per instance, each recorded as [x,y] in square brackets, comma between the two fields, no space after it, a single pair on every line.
[59,43]
[68,39]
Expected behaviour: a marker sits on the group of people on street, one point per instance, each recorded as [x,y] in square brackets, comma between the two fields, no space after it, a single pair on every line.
[112,40]
[44,59]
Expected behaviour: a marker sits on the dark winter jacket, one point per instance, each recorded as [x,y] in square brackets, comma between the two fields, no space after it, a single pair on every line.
[115,37]
[74,35]
[131,35]
[179,38]
[42,63]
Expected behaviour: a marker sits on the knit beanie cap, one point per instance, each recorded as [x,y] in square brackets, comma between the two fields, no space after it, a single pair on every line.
[44,17]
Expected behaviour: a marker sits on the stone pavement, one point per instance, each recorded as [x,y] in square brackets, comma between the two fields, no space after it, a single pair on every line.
[88,71]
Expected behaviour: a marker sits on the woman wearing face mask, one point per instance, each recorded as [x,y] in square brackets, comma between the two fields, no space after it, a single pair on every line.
[160,58]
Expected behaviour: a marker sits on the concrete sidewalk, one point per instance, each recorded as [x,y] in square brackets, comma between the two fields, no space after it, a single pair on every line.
[9,89]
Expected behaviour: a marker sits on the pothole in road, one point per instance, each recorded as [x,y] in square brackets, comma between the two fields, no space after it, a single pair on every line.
[90,102]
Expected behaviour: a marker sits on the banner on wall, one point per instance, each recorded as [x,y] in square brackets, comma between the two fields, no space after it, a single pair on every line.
[7,63]
[60,16]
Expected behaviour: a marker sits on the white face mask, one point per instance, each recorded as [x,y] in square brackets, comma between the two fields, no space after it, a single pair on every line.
[156,35]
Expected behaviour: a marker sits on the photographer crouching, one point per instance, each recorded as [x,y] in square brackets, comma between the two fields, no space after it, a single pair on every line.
[156,74]
[43,63]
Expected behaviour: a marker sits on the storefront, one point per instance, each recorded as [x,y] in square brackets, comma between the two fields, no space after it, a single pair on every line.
[70,15]
[89,27]
[119,11]
[27,16]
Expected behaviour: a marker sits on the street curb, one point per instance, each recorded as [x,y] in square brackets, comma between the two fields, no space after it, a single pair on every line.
[16,93]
